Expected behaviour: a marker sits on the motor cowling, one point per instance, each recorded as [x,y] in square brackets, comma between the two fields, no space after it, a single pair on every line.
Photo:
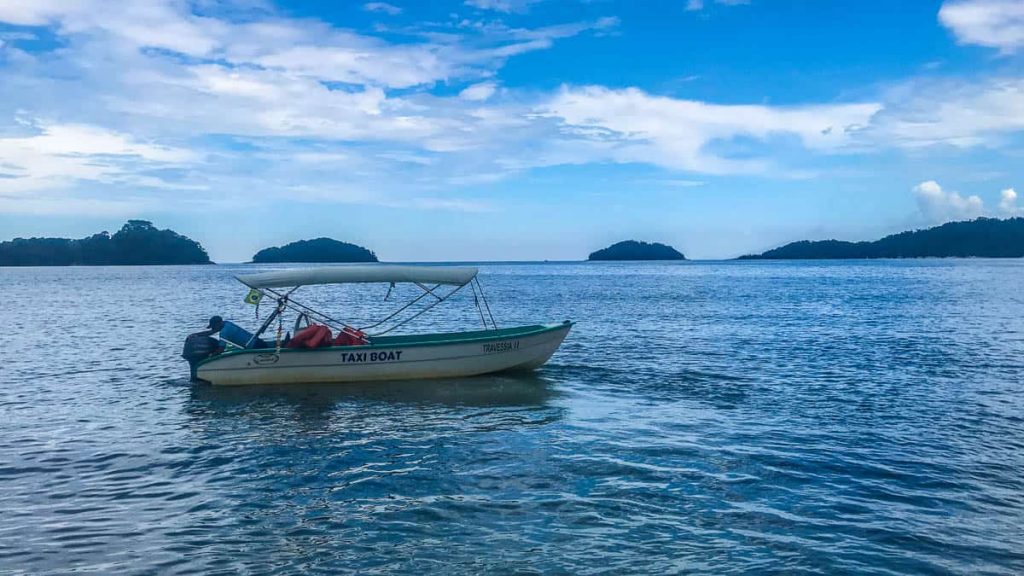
[198,346]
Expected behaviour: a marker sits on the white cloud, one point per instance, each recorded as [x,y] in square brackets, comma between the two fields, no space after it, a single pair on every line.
[991,23]
[938,205]
[479,92]
[252,102]
[157,24]
[449,204]
[1008,203]
[631,125]
[342,194]
[696,5]
[677,183]
[293,46]
[384,7]
[59,155]
[270,78]
[50,203]
[960,114]
[363,63]
[279,106]
[502,5]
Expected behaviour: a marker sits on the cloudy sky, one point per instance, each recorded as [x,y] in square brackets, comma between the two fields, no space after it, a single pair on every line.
[509,129]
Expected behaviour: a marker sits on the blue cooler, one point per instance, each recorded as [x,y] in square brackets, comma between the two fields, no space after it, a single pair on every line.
[239,336]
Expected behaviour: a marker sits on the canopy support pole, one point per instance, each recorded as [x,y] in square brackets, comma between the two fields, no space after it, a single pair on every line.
[281,302]
[476,302]
[400,310]
[430,290]
[486,305]
[298,307]
[284,302]
[418,314]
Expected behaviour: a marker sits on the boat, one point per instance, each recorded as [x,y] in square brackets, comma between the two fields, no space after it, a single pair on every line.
[373,352]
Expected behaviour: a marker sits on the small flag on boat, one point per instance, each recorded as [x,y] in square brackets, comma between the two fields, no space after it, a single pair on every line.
[253,297]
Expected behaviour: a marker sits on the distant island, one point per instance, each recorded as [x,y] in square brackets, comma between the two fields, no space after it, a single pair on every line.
[981,238]
[319,250]
[633,250]
[137,242]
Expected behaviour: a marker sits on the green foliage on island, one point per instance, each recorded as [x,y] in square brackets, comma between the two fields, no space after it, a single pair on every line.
[319,250]
[981,238]
[137,242]
[633,250]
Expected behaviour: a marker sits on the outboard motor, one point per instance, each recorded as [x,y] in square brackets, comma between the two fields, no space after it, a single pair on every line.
[201,345]
[197,347]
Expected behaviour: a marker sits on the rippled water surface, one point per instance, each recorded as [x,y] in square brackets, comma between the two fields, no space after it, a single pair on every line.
[701,417]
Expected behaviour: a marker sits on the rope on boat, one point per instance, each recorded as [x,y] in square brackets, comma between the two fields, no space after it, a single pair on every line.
[277,347]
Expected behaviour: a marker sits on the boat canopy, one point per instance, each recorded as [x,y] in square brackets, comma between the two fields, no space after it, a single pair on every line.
[449,275]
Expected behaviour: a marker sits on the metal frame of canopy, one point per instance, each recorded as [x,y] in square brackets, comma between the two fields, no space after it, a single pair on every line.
[269,283]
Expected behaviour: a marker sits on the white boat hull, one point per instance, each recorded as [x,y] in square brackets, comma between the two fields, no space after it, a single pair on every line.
[524,349]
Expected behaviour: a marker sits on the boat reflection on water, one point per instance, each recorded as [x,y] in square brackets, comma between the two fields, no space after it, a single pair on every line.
[519,389]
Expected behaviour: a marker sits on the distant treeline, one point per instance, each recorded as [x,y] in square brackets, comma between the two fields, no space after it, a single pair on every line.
[137,242]
[633,250]
[316,250]
[981,238]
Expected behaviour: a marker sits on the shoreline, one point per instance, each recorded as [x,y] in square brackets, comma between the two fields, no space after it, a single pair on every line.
[743,261]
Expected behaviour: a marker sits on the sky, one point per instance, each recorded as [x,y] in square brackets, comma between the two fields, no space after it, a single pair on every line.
[469,130]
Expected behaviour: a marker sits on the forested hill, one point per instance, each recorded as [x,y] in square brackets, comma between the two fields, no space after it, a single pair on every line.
[317,250]
[633,250]
[981,238]
[137,242]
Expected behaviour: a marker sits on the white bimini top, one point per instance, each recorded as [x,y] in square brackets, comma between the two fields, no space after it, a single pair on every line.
[450,275]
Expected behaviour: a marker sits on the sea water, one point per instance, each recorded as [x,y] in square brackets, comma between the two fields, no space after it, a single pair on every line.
[715,417]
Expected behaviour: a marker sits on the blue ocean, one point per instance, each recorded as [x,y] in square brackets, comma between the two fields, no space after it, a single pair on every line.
[701,417]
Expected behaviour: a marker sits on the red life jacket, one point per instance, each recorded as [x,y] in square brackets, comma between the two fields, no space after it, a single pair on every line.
[322,338]
[311,337]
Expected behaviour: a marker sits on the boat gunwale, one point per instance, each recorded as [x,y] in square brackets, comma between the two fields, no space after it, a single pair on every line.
[535,329]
